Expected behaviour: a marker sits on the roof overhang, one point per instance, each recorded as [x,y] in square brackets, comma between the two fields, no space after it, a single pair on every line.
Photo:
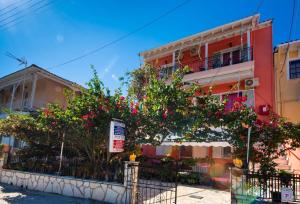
[213,34]
[26,74]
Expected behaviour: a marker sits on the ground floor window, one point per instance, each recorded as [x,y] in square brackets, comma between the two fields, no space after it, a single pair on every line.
[221,152]
[163,150]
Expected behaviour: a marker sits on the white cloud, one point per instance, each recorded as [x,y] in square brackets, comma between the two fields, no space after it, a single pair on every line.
[114,77]
[60,38]
[112,62]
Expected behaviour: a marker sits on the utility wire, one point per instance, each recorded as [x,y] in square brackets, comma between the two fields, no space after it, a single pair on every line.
[9,23]
[290,35]
[11,10]
[10,5]
[123,36]
[16,14]
[286,53]
[259,6]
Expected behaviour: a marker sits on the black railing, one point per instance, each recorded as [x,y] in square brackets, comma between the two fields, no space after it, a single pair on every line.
[74,167]
[220,59]
[253,185]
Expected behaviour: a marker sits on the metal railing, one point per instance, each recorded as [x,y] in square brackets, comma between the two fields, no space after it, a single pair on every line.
[253,185]
[218,60]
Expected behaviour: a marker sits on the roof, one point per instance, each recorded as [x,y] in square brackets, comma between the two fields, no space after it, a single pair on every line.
[250,21]
[36,69]
[289,42]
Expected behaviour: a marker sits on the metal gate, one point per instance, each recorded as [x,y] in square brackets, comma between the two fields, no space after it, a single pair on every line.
[157,183]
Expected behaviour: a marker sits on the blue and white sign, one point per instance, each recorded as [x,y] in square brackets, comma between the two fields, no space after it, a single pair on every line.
[116,136]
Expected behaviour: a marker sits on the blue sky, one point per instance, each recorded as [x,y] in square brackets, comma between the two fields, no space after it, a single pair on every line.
[65,29]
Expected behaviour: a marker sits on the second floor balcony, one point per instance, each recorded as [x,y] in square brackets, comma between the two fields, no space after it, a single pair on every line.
[222,67]
[217,60]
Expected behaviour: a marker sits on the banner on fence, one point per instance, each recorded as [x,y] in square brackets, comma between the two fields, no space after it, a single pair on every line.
[116,136]
[287,195]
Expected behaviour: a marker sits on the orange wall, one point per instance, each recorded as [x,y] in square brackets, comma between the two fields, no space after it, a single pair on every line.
[263,66]
[261,41]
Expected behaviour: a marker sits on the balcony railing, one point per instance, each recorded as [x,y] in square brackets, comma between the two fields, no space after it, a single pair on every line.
[17,105]
[218,60]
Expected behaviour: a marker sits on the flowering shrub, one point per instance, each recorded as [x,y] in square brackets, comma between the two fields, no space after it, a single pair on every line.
[153,110]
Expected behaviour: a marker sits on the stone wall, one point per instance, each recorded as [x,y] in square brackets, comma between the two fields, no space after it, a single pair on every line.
[101,191]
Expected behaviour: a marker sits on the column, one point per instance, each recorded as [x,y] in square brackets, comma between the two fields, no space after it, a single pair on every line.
[33,90]
[248,45]
[12,97]
[131,181]
[206,56]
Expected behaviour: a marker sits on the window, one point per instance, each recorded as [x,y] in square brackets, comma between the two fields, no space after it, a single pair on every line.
[230,99]
[217,152]
[163,150]
[200,152]
[221,152]
[250,97]
[186,151]
[236,57]
[226,58]
[227,152]
[294,69]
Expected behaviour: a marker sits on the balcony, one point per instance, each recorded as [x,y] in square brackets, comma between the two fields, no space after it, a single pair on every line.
[17,105]
[222,67]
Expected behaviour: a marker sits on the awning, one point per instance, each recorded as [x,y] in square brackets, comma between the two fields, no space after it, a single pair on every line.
[197,144]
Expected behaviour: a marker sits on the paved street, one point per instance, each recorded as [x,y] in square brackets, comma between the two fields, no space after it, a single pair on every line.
[12,194]
[201,195]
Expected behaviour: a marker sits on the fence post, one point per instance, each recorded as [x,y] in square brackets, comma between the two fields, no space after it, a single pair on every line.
[131,180]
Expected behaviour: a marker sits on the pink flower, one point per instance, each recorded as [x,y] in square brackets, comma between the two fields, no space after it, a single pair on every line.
[122,98]
[134,111]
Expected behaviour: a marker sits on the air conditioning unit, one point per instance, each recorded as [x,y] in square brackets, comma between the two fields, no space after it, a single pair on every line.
[251,83]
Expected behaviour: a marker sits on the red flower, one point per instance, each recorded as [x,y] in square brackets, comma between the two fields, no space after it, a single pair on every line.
[47,112]
[85,117]
[134,111]
[122,98]
[165,115]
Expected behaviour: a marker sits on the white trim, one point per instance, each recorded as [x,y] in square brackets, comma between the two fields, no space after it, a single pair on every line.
[249,43]
[12,97]
[33,90]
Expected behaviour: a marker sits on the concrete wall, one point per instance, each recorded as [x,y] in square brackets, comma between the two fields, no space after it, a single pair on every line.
[288,92]
[101,191]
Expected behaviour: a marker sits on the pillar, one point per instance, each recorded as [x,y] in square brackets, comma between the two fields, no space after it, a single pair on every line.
[248,45]
[33,90]
[131,181]
[206,56]
[12,98]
